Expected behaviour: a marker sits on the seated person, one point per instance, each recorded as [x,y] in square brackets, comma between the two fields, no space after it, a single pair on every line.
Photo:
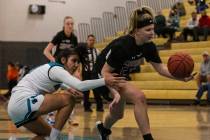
[191,28]
[203,77]
[173,20]
[201,5]
[179,6]
[161,27]
[191,2]
[204,25]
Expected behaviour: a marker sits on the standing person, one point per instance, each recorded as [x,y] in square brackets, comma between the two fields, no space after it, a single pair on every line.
[63,39]
[127,51]
[33,97]
[87,73]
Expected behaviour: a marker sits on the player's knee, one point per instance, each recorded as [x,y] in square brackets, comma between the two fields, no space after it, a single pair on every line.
[140,97]
[67,99]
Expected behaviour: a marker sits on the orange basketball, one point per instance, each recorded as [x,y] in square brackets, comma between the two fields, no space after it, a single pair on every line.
[180,65]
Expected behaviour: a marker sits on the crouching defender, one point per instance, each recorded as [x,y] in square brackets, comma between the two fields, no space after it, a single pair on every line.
[33,97]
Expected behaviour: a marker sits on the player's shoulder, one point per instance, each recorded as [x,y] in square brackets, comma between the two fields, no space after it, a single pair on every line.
[60,33]
[54,64]
[122,41]
[118,44]
[149,45]
[73,36]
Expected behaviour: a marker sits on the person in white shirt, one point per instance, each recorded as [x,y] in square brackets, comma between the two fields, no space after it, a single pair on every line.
[33,97]
[191,28]
[203,79]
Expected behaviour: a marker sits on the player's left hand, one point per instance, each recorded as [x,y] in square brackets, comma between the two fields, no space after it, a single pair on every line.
[75,93]
[115,101]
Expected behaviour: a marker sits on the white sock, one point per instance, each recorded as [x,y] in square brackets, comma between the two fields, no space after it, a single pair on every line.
[54,134]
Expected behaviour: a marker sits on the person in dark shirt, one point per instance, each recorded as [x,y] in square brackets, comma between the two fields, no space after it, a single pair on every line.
[201,5]
[62,40]
[161,28]
[117,57]
[179,6]
[90,57]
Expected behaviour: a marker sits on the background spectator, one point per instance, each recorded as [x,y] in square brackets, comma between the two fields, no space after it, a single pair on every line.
[201,5]
[203,77]
[191,28]
[173,20]
[161,27]
[12,77]
[204,25]
[180,8]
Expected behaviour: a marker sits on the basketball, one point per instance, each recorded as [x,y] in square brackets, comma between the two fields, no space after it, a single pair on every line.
[180,65]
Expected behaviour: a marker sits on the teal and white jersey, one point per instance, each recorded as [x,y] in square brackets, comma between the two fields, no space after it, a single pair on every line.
[39,81]
[49,77]
[27,96]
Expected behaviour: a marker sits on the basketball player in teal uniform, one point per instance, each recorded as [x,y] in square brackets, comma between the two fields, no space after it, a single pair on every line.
[33,97]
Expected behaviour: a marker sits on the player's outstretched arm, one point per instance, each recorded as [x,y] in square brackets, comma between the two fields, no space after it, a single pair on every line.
[61,75]
[163,70]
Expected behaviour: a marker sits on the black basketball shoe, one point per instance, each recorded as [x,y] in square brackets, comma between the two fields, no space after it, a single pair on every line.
[104,132]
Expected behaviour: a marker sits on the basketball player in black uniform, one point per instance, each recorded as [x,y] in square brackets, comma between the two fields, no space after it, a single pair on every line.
[117,57]
[62,40]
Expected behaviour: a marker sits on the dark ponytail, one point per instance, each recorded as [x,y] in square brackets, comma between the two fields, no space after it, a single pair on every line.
[66,53]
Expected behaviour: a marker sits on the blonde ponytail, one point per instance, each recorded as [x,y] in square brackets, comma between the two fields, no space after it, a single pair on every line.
[138,17]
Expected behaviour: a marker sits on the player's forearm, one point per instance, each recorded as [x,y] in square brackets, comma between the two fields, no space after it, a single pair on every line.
[49,56]
[164,72]
[85,85]
[47,52]
[59,74]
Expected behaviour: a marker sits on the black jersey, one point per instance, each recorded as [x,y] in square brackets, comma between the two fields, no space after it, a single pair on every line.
[89,56]
[61,41]
[123,53]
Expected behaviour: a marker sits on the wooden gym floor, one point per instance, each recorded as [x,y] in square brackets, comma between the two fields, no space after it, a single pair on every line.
[167,123]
